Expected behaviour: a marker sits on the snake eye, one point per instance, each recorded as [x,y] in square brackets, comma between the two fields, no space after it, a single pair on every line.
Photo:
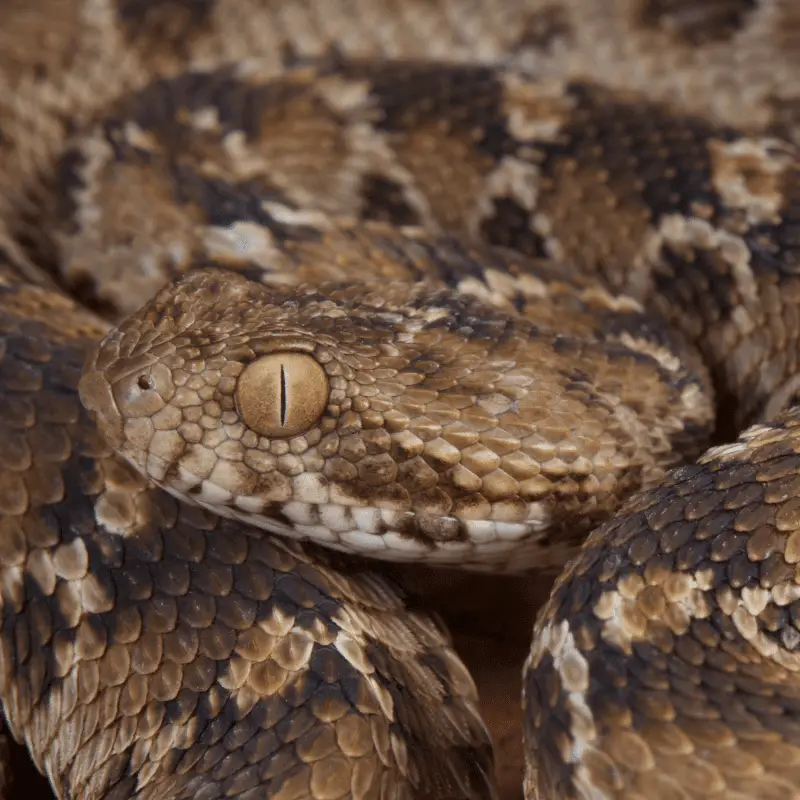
[282,394]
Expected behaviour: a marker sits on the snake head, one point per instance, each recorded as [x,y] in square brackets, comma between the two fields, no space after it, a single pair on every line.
[402,422]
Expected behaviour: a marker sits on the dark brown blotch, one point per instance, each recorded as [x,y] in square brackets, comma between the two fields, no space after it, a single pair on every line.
[648,151]
[697,22]
[547,726]
[544,27]
[164,24]
[511,225]
[465,99]
[385,201]
[472,316]
[223,203]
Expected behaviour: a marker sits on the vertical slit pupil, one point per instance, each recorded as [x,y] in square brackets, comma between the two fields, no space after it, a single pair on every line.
[283,396]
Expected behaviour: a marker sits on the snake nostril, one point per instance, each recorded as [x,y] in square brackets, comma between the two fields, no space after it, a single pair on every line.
[145,382]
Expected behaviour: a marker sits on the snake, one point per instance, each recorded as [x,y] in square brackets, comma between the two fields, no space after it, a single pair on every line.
[292,293]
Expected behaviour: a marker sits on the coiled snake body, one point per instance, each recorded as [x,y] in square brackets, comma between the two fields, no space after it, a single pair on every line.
[454,283]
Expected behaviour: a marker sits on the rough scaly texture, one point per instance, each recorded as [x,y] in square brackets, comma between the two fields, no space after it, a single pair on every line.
[529,292]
